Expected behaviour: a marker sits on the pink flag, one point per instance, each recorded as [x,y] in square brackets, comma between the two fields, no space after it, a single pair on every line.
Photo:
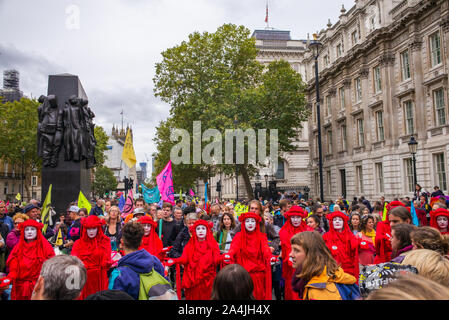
[165,184]
[192,193]
[129,204]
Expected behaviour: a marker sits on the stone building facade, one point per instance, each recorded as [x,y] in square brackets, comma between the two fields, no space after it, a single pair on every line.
[383,75]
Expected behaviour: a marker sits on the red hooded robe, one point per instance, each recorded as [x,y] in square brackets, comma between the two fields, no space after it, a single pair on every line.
[286,233]
[200,260]
[95,253]
[25,261]
[383,236]
[251,250]
[152,243]
[438,213]
[343,245]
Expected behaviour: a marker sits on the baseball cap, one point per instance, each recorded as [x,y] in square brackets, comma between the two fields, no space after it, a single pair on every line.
[138,211]
[29,208]
[74,209]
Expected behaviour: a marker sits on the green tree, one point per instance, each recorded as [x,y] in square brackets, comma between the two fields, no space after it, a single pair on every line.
[104,181]
[102,141]
[18,129]
[215,78]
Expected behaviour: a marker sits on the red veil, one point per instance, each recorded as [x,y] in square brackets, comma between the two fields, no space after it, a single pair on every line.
[95,253]
[435,214]
[152,243]
[286,233]
[383,235]
[343,245]
[25,261]
[200,260]
[251,250]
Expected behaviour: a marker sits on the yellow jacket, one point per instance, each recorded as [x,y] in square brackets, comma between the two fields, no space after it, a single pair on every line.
[323,287]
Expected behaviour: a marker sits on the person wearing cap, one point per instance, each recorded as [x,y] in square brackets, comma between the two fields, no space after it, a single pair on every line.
[137,213]
[74,231]
[250,249]
[4,218]
[33,211]
[94,250]
[295,223]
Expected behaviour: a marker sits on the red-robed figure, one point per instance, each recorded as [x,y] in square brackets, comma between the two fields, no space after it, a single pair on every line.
[200,258]
[439,220]
[151,241]
[26,259]
[383,236]
[295,223]
[342,243]
[250,249]
[94,250]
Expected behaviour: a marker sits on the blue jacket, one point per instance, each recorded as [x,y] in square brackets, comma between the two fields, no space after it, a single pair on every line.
[7,220]
[126,276]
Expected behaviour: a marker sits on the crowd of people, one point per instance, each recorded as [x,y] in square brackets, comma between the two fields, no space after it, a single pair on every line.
[291,249]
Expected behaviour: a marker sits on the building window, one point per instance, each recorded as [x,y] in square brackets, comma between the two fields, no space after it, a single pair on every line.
[329,182]
[380,126]
[409,117]
[314,115]
[34,181]
[328,105]
[440,108]
[440,171]
[377,80]
[360,133]
[341,93]
[316,146]
[13,188]
[354,37]
[405,66]
[435,49]
[409,174]
[5,190]
[280,174]
[6,169]
[339,50]
[329,141]
[317,184]
[326,60]
[358,89]
[380,177]
[373,23]
[359,173]
[343,138]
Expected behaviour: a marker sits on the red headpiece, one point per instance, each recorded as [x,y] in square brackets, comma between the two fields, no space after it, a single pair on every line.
[30,223]
[340,214]
[437,213]
[92,222]
[296,211]
[247,215]
[147,220]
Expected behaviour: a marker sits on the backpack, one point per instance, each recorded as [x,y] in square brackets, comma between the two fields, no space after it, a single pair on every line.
[153,286]
[348,291]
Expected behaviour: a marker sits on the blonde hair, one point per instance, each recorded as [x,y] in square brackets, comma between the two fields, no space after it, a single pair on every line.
[119,216]
[430,264]
[430,238]
[411,287]
[337,208]
[22,216]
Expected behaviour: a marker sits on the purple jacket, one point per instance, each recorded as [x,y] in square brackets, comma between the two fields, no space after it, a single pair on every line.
[12,239]
[400,258]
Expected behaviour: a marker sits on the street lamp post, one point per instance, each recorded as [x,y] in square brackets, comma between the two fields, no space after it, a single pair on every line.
[23,174]
[236,165]
[413,148]
[315,46]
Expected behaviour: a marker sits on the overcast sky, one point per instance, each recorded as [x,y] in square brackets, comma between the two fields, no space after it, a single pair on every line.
[113,45]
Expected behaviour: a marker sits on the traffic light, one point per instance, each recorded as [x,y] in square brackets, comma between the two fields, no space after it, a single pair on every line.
[218,186]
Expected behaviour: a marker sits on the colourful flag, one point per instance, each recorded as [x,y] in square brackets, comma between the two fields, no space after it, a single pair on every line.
[180,194]
[384,215]
[129,204]
[128,155]
[83,202]
[46,207]
[414,215]
[192,193]
[205,196]
[165,184]
[151,195]
[266,15]
[18,197]
[121,202]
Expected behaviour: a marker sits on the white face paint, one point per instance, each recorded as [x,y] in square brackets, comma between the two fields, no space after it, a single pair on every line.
[250,224]
[201,232]
[92,232]
[296,221]
[30,233]
[147,228]
[442,222]
[338,223]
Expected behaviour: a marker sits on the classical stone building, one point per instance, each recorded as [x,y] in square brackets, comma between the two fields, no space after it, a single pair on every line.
[383,75]
[292,173]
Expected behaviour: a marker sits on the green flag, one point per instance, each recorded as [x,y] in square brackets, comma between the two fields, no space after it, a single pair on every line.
[83,202]
[46,207]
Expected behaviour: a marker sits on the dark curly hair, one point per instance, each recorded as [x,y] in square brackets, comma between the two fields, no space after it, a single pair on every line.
[132,234]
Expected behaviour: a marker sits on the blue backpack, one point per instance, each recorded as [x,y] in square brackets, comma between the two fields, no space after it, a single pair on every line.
[348,291]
